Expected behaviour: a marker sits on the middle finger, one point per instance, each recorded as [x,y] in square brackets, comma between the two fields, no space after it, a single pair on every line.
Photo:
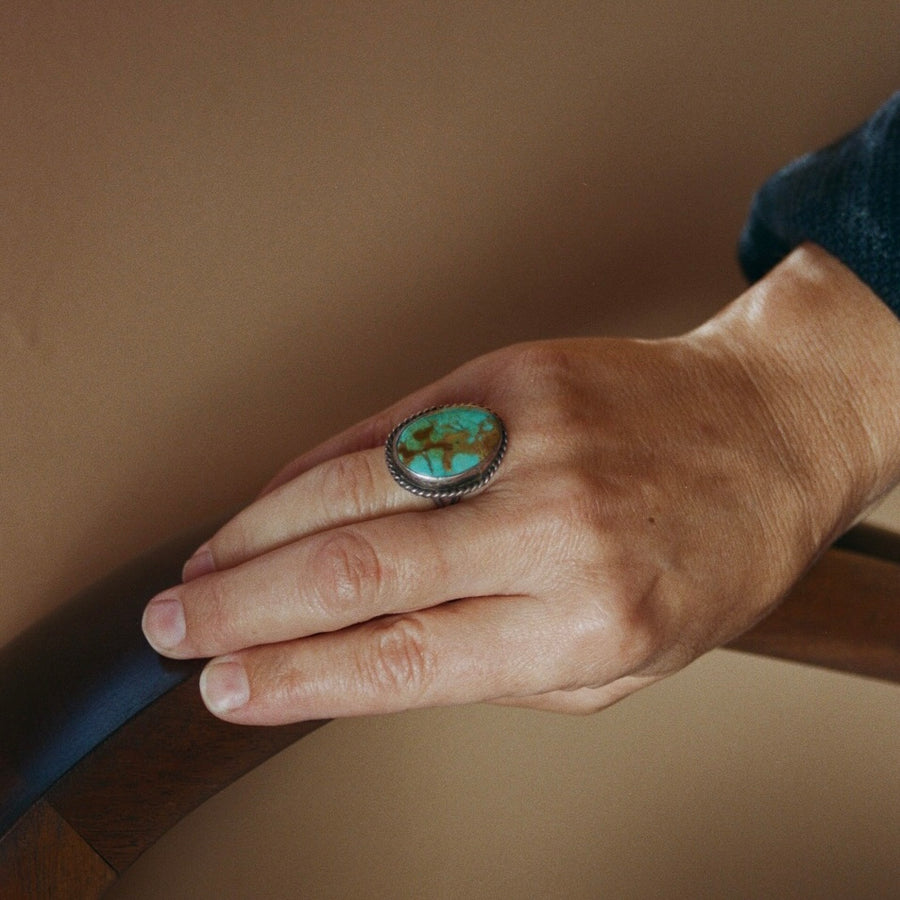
[336,578]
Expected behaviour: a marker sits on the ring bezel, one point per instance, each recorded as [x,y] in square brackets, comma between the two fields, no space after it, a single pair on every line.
[444,489]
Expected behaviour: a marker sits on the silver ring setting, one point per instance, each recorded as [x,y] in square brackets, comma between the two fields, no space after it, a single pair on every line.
[446,452]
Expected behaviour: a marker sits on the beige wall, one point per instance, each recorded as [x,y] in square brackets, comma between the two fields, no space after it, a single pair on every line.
[229,229]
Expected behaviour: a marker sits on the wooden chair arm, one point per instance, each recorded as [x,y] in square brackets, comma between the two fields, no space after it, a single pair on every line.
[844,614]
[105,745]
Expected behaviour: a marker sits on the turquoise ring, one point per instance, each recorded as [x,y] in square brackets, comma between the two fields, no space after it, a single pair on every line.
[446,452]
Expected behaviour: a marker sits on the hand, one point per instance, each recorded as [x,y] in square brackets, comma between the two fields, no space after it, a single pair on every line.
[657,498]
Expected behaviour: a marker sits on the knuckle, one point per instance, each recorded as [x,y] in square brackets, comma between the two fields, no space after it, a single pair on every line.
[345,569]
[399,659]
[567,525]
[355,481]
[634,623]
[540,370]
[543,363]
[621,628]
[571,497]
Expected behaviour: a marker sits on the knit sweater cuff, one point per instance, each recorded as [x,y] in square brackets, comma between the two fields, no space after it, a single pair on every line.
[845,198]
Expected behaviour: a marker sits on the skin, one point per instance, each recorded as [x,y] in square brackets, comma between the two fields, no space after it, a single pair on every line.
[656,500]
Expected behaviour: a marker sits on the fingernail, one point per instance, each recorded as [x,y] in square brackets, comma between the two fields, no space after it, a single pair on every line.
[201,563]
[163,623]
[224,685]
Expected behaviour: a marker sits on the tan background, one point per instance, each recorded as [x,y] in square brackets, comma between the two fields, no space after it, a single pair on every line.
[229,229]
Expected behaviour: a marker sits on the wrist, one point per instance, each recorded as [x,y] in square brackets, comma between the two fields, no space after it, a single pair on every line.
[820,354]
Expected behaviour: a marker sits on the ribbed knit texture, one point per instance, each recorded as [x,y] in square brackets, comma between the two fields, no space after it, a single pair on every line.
[845,198]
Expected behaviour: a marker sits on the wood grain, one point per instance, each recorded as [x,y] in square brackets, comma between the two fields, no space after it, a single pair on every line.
[44,858]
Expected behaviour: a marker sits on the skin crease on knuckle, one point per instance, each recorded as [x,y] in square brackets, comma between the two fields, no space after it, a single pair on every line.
[397,660]
[345,573]
[353,475]
[385,664]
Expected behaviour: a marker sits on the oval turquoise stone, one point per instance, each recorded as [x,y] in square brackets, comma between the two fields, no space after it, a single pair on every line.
[449,444]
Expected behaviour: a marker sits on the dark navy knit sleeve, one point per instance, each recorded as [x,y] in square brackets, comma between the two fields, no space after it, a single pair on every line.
[845,198]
